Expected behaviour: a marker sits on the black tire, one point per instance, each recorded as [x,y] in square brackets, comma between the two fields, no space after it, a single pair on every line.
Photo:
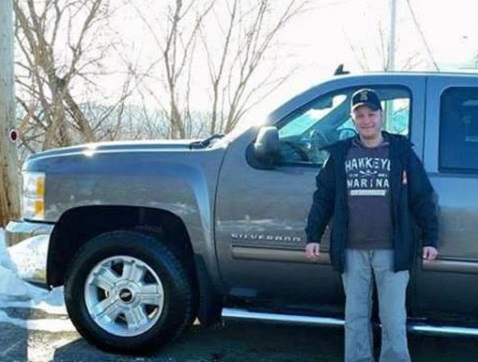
[164,322]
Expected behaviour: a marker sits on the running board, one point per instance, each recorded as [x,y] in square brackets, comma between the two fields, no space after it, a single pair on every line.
[421,328]
[243,314]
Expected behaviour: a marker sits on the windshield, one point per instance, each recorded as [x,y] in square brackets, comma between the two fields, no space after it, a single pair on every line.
[312,116]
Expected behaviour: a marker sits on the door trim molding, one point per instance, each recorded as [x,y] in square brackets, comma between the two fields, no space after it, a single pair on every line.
[455,266]
[284,255]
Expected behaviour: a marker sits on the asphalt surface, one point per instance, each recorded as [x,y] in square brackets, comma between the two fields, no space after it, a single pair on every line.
[231,342]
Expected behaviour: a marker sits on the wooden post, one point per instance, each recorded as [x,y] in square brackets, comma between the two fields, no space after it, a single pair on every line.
[9,172]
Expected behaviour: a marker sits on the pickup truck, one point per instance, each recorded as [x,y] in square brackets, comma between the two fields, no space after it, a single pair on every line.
[148,236]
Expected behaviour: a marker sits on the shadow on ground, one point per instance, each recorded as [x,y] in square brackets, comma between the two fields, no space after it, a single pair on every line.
[266,343]
[233,342]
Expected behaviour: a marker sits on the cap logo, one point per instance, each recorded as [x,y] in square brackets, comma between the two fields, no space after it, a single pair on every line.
[364,96]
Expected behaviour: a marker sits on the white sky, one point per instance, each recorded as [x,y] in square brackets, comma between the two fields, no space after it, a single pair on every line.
[320,40]
[317,41]
[322,36]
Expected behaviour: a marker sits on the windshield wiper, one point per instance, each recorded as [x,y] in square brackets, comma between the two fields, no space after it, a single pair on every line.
[205,142]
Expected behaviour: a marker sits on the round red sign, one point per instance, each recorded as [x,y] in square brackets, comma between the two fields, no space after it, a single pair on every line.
[13,135]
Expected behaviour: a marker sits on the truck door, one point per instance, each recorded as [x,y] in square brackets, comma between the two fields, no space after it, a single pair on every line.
[449,285]
[261,213]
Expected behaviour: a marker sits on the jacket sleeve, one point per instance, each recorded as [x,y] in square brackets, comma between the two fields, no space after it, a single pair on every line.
[421,201]
[323,202]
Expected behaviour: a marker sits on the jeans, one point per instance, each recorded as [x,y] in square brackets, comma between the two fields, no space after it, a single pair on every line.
[361,265]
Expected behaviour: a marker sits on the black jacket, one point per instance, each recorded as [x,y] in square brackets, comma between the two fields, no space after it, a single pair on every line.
[411,196]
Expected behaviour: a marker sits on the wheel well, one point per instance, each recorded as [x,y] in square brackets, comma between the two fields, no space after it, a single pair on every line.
[79,225]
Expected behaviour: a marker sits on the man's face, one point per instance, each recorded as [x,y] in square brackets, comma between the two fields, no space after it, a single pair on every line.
[367,121]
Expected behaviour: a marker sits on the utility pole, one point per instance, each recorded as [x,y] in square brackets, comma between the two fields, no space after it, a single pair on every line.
[391,60]
[391,43]
[9,177]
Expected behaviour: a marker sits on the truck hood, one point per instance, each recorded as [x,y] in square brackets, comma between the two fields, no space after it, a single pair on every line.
[91,149]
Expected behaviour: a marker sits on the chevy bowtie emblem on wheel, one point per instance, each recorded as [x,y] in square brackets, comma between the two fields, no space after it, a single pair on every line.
[126,296]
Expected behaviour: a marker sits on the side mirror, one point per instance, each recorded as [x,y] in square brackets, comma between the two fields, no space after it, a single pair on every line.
[266,146]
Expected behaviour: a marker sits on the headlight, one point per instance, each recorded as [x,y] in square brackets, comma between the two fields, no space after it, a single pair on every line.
[33,202]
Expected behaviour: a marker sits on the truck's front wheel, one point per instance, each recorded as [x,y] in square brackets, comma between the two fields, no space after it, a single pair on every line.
[125,292]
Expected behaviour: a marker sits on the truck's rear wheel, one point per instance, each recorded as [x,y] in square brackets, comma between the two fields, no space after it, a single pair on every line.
[125,292]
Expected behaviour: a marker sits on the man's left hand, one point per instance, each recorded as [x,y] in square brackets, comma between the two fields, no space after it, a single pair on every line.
[429,253]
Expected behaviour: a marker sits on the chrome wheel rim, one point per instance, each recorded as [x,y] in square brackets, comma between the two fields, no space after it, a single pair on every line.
[124,296]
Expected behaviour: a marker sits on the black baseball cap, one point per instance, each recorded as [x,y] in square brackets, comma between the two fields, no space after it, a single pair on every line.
[366,97]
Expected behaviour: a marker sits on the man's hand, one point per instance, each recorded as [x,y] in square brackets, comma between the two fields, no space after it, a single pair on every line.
[429,253]
[312,251]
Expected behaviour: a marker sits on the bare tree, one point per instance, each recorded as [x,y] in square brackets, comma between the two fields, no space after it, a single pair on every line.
[372,53]
[240,73]
[219,51]
[9,183]
[176,44]
[63,45]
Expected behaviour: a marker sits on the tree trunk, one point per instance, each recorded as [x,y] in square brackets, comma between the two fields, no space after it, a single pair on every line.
[9,178]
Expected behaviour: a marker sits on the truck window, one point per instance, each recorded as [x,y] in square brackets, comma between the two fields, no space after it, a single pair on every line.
[458,150]
[326,120]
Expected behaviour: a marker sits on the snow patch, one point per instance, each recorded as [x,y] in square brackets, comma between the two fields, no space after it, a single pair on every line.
[29,257]
[4,259]
[51,303]
[24,261]
[11,286]
[49,325]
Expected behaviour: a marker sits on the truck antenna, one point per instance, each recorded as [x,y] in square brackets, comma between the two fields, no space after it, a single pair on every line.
[340,70]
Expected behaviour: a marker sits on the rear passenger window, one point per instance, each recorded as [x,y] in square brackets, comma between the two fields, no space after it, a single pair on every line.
[459,130]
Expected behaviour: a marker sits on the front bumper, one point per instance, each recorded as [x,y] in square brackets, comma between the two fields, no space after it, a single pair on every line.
[27,244]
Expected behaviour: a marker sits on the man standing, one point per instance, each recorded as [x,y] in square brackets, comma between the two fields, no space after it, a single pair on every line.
[376,189]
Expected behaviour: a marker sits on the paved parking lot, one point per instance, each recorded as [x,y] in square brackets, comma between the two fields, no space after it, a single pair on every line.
[232,342]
